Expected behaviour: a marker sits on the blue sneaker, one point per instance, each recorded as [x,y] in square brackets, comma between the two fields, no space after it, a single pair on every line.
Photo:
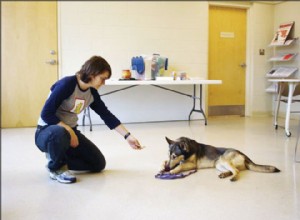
[63,176]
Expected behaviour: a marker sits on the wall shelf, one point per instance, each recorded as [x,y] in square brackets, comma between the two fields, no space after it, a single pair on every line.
[284,60]
[283,57]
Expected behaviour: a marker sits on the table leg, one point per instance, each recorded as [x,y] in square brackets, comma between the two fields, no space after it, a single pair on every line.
[292,87]
[200,110]
[87,113]
[280,85]
[194,102]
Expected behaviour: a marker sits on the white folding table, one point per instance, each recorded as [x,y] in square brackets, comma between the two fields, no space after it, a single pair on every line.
[160,84]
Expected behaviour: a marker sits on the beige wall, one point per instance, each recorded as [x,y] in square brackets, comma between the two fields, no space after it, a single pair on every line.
[260,37]
[288,11]
[120,30]
[177,30]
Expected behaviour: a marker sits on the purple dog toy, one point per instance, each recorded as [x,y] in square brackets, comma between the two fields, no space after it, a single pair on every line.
[168,176]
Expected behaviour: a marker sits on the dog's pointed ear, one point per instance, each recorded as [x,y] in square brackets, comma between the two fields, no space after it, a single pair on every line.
[169,141]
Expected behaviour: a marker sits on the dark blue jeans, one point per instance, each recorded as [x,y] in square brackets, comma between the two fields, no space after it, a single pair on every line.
[55,140]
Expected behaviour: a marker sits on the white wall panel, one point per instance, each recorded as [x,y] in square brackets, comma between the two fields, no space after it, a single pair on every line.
[118,31]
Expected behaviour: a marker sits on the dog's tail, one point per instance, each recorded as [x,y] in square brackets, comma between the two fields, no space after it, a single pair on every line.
[250,165]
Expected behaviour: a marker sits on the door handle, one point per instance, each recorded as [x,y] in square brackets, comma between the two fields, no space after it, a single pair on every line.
[51,62]
[243,65]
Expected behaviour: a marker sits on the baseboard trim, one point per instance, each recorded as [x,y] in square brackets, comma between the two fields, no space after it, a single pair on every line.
[226,110]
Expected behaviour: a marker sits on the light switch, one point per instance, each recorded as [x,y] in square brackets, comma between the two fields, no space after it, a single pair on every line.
[261,51]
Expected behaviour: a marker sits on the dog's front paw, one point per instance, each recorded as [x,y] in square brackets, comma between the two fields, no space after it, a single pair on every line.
[174,171]
[165,167]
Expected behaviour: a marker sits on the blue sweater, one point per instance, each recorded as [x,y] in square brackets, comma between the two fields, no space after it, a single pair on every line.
[66,100]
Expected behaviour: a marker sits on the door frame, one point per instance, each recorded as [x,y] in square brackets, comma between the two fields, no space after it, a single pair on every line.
[249,57]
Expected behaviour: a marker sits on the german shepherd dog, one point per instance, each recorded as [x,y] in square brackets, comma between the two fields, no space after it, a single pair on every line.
[186,154]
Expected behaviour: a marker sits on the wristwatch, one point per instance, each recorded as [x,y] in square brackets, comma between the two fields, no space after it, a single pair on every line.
[127,135]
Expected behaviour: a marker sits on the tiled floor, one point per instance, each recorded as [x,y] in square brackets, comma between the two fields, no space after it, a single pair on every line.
[127,188]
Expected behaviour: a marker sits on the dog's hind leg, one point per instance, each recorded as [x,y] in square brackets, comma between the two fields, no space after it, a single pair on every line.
[224,172]
[234,172]
[228,168]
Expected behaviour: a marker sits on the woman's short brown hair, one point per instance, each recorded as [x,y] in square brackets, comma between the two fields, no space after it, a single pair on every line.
[96,65]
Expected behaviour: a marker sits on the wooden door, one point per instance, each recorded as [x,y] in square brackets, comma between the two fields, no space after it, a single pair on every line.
[227,56]
[29,40]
